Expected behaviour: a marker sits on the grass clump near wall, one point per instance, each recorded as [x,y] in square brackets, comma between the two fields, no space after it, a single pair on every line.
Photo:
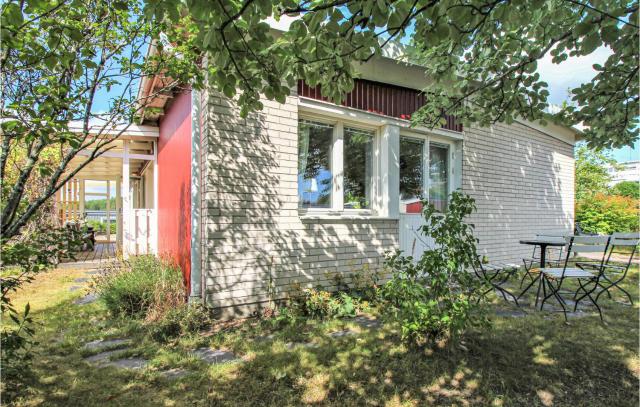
[143,286]
[152,289]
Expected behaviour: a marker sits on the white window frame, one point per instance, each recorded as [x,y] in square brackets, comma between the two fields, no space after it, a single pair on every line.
[337,167]
[428,139]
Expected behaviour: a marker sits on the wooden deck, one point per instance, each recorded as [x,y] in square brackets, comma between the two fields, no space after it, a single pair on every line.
[102,252]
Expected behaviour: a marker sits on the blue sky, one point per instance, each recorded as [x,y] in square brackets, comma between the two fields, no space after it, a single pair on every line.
[570,74]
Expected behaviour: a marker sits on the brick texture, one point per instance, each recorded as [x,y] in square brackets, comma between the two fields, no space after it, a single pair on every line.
[256,246]
[523,184]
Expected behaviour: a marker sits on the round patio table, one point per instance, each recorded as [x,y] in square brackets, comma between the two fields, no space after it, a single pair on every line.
[544,243]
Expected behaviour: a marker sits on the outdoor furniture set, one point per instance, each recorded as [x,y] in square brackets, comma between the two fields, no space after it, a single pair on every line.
[558,259]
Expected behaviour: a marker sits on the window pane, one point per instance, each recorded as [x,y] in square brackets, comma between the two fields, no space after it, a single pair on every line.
[314,164]
[411,180]
[358,167]
[438,176]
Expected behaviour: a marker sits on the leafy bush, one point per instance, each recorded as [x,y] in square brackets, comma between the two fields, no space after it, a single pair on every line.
[323,304]
[101,227]
[606,214]
[435,297]
[361,283]
[144,286]
[38,248]
[630,189]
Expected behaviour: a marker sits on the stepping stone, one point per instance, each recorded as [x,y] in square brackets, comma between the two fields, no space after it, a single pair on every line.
[87,299]
[214,356]
[510,313]
[367,322]
[342,333]
[75,288]
[265,338]
[309,345]
[92,272]
[128,363]
[102,356]
[173,374]
[106,343]
[81,280]
[577,314]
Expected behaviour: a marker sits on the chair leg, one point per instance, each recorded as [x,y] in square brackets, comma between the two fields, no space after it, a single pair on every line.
[540,285]
[581,288]
[560,301]
[594,301]
[543,282]
[615,284]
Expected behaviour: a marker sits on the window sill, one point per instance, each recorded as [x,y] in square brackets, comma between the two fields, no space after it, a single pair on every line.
[342,216]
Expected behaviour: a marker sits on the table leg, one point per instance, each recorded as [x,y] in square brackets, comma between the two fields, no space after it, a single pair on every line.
[543,255]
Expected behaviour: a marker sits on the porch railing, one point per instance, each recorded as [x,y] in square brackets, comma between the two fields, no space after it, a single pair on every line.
[143,236]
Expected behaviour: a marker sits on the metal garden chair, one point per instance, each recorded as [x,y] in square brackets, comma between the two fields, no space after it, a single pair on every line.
[554,256]
[496,274]
[614,274]
[552,278]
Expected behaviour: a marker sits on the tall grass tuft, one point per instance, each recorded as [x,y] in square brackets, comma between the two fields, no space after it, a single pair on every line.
[144,287]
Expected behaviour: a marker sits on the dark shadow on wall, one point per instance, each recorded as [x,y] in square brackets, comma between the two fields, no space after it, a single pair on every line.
[256,248]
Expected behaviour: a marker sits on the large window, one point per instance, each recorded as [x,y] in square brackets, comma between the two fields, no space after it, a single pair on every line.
[315,141]
[358,168]
[335,166]
[424,172]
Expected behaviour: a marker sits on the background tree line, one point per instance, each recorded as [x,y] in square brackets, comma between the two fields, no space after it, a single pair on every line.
[601,207]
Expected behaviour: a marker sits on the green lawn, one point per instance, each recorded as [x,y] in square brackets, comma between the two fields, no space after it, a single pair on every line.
[533,360]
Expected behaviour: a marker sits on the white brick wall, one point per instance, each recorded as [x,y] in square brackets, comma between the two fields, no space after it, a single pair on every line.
[255,242]
[523,184]
[257,247]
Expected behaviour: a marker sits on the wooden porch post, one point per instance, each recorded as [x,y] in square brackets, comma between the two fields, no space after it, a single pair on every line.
[118,215]
[126,202]
[108,211]
[154,227]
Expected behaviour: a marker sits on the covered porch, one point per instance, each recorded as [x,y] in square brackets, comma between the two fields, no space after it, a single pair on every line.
[115,196]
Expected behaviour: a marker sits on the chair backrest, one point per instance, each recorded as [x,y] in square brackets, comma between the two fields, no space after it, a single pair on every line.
[624,240]
[587,244]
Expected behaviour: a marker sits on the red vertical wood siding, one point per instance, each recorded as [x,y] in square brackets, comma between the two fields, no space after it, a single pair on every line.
[174,184]
[380,98]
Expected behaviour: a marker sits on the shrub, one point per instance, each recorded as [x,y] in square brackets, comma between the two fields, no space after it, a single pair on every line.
[38,248]
[144,286]
[435,297]
[323,304]
[183,320]
[630,189]
[606,214]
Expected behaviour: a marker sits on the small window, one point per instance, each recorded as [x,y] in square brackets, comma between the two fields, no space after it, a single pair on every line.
[358,168]
[439,176]
[314,164]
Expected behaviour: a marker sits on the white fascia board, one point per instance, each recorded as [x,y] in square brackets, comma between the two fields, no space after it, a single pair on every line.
[125,132]
[559,132]
[313,107]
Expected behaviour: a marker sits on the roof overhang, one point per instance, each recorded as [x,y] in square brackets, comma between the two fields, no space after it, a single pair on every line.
[121,131]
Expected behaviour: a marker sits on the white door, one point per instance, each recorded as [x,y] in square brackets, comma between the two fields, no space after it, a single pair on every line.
[424,172]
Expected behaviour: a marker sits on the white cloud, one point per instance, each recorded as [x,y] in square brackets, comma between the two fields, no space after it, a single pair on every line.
[570,73]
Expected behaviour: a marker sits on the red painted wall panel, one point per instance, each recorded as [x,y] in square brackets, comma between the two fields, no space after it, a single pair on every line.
[174,186]
[380,98]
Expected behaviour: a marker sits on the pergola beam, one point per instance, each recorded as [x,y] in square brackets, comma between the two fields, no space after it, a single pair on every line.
[117,154]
